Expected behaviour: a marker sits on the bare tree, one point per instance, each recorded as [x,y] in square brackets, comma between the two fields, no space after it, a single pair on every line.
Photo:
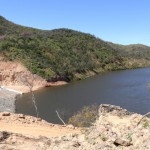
[28,80]
[1,79]
[60,118]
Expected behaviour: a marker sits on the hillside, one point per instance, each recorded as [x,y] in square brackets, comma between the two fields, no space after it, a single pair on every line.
[64,54]
[136,51]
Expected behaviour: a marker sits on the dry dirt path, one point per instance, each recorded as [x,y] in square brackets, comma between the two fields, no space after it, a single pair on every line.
[31,126]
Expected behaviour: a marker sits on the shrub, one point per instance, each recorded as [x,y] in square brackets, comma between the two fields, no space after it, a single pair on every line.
[85,117]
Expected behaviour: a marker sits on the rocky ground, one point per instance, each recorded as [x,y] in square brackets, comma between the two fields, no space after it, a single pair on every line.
[114,129]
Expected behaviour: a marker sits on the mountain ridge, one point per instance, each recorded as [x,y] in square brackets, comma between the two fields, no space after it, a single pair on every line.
[47,30]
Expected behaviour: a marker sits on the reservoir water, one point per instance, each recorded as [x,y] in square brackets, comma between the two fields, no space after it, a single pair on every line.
[128,89]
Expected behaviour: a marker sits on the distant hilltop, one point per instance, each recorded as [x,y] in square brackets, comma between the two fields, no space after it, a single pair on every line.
[65,54]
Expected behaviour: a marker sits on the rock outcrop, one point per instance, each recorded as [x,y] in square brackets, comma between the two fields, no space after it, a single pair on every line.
[114,129]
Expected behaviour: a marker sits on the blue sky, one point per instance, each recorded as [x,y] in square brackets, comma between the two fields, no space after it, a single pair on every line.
[118,21]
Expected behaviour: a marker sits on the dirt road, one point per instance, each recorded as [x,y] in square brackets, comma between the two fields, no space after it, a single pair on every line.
[31,126]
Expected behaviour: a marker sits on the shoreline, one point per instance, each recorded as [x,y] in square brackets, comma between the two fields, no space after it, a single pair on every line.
[22,89]
[11,90]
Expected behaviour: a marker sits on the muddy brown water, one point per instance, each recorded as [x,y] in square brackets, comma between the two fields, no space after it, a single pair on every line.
[128,89]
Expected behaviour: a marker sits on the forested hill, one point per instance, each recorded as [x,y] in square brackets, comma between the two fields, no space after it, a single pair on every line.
[65,54]
[132,51]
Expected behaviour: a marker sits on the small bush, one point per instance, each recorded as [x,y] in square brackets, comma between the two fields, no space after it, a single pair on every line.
[85,117]
[146,125]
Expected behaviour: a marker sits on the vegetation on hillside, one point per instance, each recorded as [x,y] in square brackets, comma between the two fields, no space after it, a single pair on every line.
[64,54]
[136,51]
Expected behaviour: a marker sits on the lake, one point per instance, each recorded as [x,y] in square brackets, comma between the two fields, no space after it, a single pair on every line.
[128,89]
